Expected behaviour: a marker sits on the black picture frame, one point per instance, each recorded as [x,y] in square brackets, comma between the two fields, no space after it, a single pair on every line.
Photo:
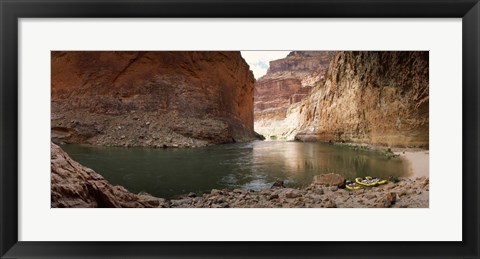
[12,10]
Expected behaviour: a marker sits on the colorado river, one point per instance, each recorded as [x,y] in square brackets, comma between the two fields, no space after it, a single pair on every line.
[255,165]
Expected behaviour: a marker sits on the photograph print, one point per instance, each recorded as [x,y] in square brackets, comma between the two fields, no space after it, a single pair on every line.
[239,129]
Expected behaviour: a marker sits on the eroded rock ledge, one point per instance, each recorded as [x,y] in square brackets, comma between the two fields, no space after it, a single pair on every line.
[76,186]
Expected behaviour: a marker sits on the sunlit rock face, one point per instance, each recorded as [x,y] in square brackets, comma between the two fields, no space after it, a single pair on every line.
[151,98]
[278,94]
[379,98]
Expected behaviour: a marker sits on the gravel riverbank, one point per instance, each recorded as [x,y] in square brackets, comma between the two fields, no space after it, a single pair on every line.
[407,193]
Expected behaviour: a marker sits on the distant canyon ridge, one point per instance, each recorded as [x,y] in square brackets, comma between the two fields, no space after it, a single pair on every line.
[193,99]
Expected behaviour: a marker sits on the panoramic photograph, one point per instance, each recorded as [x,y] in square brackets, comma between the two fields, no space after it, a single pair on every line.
[239,129]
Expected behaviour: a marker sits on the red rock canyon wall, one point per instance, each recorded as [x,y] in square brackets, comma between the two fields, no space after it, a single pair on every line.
[131,98]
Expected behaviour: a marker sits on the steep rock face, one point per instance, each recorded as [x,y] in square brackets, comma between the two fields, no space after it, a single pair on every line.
[76,186]
[287,82]
[275,93]
[180,98]
[379,98]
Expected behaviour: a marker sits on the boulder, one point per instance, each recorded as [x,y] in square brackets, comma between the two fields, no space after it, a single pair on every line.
[278,184]
[329,180]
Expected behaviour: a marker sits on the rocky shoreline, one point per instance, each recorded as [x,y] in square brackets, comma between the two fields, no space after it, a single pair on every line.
[406,193]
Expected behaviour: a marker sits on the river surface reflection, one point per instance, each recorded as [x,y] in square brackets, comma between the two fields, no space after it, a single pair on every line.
[254,165]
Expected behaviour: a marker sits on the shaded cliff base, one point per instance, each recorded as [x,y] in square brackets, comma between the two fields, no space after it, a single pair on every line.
[396,140]
[76,186]
[149,129]
[151,98]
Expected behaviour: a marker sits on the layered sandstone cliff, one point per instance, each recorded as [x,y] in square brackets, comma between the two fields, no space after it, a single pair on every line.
[76,186]
[287,82]
[379,98]
[158,99]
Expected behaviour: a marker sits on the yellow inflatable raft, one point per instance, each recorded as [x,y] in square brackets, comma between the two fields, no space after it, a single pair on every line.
[369,181]
[350,185]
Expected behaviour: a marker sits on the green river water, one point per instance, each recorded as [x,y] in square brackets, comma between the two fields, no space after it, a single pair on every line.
[254,165]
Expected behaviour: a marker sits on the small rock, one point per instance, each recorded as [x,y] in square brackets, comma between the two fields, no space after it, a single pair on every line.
[382,203]
[266,192]
[181,202]
[318,190]
[386,201]
[293,194]
[317,198]
[425,183]
[389,186]
[216,192]
[273,196]
[278,184]
[239,191]
[192,195]
[391,196]
[329,204]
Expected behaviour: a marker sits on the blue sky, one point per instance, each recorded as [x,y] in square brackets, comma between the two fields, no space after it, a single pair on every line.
[259,60]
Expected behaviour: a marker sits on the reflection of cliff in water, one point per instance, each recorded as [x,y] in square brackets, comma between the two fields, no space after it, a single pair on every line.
[306,159]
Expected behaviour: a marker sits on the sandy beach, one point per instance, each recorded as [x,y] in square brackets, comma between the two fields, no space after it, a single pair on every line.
[418,162]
